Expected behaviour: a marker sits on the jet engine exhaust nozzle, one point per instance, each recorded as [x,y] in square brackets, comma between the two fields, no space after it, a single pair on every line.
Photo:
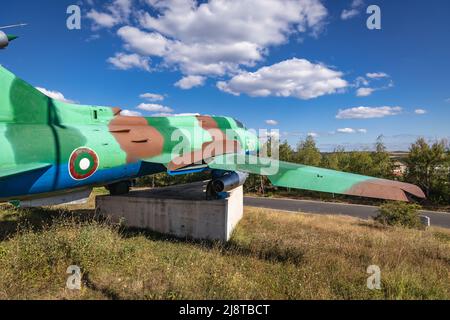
[225,183]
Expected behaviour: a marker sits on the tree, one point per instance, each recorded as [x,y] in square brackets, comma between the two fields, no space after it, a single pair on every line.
[428,165]
[286,153]
[360,162]
[308,153]
[337,160]
[382,164]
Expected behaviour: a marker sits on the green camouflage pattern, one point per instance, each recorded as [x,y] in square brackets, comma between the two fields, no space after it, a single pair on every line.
[49,146]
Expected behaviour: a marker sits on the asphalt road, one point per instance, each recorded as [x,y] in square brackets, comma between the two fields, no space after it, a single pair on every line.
[439,219]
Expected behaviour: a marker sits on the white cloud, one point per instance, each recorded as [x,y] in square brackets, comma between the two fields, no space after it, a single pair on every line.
[102,19]
[117,12]
[121,8]
[124,61]
[377,75]
[353,11]
[346,130]
[362,83]
[368,112]
[272,122]
[420,111]
[364,92]
[144,43]
[218,37]
[351,130]
[256,21]
[290,78]
[152,97]
[54,95]
[190,82]
[313,134]
[130,113]
[350,13]
[152,107]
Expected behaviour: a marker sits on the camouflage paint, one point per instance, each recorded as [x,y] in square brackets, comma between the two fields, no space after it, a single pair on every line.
[48,146]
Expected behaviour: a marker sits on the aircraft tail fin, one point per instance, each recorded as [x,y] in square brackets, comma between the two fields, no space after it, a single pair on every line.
[20,102]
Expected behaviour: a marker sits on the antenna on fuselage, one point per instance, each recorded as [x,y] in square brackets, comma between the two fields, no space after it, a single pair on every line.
[14,26]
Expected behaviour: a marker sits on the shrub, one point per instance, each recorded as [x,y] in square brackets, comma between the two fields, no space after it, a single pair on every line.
[399,214]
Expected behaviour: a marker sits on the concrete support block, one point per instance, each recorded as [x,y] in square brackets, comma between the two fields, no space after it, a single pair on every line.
[181,211]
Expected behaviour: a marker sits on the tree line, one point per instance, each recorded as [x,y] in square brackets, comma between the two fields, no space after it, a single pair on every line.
[427,165]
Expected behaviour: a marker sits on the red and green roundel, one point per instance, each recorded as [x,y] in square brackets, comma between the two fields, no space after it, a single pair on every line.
[83,163]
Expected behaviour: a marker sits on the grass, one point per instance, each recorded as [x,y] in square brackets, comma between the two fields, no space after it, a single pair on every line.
[272,255]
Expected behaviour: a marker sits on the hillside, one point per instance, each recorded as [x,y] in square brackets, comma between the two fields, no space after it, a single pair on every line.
[272,255]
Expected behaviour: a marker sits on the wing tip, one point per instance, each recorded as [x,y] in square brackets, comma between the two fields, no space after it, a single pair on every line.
[387,190]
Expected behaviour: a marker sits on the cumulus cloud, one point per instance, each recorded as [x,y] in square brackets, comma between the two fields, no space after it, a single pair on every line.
[152,107]
[377,75]
[368,112]
[144,43]
[262,22]
[54,95]
[190,82]
[364,92]
[363,83]
[152,97]
[130,113]
[420,111]
[102,19]
[353,11]
[351,130]
[297,78]
[346,130]
[124,61]
[313,134]
[117,12]
[272,122]
[219,37]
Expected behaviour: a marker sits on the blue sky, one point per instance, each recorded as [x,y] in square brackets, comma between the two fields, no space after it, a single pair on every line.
[310,66]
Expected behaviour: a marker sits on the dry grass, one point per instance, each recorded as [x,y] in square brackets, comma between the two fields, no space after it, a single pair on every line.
[271,256]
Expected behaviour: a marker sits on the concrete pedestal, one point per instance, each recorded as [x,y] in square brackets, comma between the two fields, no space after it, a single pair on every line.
[181,211]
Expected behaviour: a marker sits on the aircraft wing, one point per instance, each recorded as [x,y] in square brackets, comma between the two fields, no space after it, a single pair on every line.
[297,176]
[22,168]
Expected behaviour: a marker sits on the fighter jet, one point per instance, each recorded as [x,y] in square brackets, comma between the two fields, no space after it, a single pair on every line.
[54,152]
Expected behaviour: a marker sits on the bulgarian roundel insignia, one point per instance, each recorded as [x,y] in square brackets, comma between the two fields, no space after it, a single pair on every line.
[83,163]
